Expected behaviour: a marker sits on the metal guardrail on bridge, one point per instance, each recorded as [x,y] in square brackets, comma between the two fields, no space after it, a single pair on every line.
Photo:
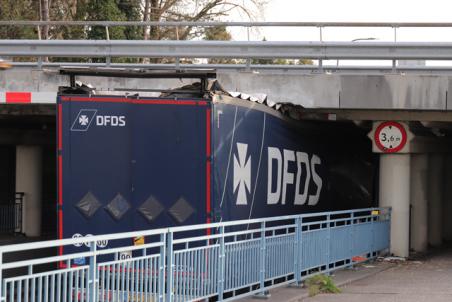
[227,49]
[223,261]
[244,53]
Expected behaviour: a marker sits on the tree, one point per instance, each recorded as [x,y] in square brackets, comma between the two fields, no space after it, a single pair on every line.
[105,10]
[281,61]
[18,10]
[305,62]
[131,9]
[218,33]
[122,10]
[189,10]
[44,6]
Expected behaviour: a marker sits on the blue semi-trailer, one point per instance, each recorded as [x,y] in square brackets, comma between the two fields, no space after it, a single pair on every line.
[134,163]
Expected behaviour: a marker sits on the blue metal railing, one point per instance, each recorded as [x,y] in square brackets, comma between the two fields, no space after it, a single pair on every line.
[223,261]
[11,215]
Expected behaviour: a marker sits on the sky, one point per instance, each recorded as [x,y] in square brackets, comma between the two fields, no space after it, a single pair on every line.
[358,10]
[352,11]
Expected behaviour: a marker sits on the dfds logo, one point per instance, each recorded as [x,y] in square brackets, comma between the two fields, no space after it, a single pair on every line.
[242,174]
[280,161]
[86,117]
[279,179]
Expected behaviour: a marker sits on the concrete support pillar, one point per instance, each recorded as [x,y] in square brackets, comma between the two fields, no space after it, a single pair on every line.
[447,199]
[29,181]
[395,193]
[435,199]
[418,196]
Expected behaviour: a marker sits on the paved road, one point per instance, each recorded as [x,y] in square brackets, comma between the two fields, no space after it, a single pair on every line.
[429,280]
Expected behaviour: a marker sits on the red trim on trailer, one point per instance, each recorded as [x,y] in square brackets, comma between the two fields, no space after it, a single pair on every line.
[208,166]
[60,124]
[208,135]
[18,97]
[133,101]
[60,191]
[60,176]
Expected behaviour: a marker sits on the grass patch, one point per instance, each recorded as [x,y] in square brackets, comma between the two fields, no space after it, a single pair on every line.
[321,284]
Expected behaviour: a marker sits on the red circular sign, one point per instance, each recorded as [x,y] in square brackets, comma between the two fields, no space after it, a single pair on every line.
[390,137]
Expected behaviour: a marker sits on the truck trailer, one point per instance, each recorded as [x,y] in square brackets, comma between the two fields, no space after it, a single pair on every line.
[197,155]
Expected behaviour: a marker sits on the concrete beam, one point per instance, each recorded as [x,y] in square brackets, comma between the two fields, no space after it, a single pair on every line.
[374,114]
[366,93]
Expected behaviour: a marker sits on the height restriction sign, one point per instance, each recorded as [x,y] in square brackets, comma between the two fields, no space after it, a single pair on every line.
[390,137]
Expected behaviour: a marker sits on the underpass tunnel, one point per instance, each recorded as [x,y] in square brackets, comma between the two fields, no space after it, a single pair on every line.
[417,185]
[415,181]
[28,172]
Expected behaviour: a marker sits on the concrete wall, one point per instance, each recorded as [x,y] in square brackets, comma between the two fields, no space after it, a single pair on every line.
[394,91]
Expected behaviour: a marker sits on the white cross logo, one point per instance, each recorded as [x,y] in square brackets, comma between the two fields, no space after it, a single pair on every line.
[242,174]
[83,120]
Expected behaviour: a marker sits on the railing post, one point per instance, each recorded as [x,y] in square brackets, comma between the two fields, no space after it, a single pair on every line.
[372,229]
[92,282]
[263,248]
[161,284]
[328,241]
[352,236]
[222,263]
[169,268]
[297,252]
[389,219]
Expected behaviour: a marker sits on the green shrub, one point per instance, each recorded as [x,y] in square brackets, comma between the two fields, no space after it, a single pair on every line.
[321,284]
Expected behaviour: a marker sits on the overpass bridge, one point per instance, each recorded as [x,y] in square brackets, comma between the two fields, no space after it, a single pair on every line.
[414,180]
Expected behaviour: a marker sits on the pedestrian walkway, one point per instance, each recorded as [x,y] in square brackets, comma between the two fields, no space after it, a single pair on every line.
[341,278]
[428,279]
[424,279]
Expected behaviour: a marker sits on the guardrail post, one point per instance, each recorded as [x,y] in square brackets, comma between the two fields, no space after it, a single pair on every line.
[92,282]
[328,242]
[169,268]
[297,251]
[107,33]
[40,62]
[221,267]
[161,284]
[263,248]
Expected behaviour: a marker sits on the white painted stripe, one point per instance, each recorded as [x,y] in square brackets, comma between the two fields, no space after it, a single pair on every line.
[229,157]
[43,97]
[258,168]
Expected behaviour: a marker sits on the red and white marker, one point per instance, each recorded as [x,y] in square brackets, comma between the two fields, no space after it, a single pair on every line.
[390,137]
[27,97]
